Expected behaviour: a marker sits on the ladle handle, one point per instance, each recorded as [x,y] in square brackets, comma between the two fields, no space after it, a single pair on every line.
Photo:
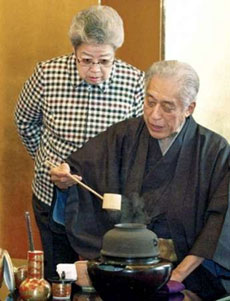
[75,179]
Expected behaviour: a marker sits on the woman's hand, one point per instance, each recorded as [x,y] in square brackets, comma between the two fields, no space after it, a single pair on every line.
[61,176]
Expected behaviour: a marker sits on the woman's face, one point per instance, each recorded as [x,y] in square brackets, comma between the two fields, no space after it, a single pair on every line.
[94,62]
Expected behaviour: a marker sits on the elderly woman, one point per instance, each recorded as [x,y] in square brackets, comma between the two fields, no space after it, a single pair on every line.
[70,99]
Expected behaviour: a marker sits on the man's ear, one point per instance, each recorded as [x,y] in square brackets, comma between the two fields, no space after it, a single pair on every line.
[190,109]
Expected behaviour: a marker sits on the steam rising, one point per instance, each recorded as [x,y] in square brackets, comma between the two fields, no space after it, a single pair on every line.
[133,210]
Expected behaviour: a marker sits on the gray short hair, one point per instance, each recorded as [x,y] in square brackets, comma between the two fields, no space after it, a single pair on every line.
[98,24]
[186,77]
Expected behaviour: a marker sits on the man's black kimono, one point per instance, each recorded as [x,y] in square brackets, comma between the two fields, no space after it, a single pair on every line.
[186,189]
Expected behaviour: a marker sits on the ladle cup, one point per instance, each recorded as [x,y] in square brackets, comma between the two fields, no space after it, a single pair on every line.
[111,201]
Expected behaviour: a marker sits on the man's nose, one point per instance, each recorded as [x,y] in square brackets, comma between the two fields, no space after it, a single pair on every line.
[156,112]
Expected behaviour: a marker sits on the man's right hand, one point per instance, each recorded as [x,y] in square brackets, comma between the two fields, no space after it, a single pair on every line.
[61,176]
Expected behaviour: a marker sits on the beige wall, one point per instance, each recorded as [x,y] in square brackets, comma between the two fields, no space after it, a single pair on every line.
[198,32]
[30,30]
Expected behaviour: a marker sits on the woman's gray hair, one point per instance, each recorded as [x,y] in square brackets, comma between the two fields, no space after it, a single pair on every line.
[98,24]
[182,73]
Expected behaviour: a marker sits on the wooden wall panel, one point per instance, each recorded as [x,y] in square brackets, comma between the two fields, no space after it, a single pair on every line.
[30,31]
[142,22]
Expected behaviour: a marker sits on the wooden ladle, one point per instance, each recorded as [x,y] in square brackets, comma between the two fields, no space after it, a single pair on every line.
[111,201]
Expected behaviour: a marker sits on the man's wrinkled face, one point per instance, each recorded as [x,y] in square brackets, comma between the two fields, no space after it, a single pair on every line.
[163,111]
[94,62]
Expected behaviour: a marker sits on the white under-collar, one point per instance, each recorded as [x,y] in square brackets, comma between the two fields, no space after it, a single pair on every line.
[167,142]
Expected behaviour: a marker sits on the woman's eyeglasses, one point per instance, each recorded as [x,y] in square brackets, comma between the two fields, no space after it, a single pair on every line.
[103,63]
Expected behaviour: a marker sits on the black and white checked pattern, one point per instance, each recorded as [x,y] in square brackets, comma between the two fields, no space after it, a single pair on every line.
[57,112]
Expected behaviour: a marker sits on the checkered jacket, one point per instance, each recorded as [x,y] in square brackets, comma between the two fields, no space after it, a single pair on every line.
[57,112]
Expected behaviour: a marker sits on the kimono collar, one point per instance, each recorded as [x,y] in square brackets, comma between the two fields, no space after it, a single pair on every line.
[166,143]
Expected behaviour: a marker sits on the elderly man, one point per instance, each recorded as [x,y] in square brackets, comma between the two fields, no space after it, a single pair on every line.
[177,168]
